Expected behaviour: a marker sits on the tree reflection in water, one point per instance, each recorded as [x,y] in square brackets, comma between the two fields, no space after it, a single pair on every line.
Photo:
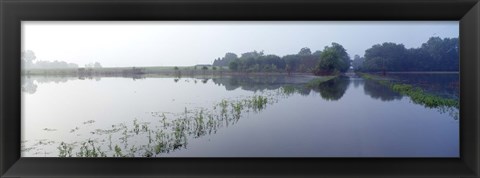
[381,92]
[173,130]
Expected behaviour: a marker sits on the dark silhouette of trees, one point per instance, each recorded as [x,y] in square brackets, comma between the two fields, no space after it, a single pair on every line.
[435,55]
[225,61]
[303,62]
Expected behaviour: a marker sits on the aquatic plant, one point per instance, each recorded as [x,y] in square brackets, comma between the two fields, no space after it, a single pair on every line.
[237,108]
[168,135]
[164,120]
[416,94]
[258,102]
[419,96]
[88,149]
[64,150]
[137,126]
[288,89]
[89,122]
[223,105]
[160,147]
[145,127]
[49,130]
[118,151]
[199,124]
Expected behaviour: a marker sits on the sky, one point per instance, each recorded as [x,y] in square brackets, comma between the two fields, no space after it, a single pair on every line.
[186,43]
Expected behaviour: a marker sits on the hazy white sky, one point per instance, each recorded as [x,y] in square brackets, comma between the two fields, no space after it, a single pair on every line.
[170,43]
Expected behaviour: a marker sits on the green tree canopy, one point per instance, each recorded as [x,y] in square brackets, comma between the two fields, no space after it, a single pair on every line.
[333,58]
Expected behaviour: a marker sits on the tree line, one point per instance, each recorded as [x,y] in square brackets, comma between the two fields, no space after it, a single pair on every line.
[333,59]
[29,62]
[436,54]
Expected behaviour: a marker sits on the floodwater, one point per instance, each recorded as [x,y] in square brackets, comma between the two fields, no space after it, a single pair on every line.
[233,116]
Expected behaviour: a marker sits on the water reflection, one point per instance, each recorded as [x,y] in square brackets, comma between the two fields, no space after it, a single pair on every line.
[442,84]
[333,89]
[259,83]
[30,84]
[378,91]
[173,131]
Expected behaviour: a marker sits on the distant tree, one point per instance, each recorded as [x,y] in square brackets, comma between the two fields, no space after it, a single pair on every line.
[436,54]
[225,61]
[305,51]
[357,63]
[233,65]
[317,53]
[288,68]
[27,58]
[97,65]
[387,57]
[443,53]
[252,55]
[333,58]
[292,62]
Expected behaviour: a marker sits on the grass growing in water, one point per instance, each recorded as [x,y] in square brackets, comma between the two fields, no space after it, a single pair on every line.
[65,150]
[258,102]
[419,96]
[168,135]
[237,108]
[288,89]
[416,94]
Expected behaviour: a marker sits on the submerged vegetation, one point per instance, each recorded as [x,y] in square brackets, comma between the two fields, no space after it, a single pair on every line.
[171,135]
[174,129]
[416,94]
[169,132]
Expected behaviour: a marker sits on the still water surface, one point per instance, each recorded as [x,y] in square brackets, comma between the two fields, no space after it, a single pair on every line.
[256,116]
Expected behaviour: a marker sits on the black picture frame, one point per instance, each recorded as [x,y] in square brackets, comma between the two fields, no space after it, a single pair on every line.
[12,12]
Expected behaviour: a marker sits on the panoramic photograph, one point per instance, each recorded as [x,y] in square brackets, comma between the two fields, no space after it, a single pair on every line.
[346,89]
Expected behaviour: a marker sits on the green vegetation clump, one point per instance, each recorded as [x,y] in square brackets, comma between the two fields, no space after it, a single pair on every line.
[333,59]
[419,96]
[237,108]
[65,150]
[416,94]
[88,149]
[118,151]
[259,102]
